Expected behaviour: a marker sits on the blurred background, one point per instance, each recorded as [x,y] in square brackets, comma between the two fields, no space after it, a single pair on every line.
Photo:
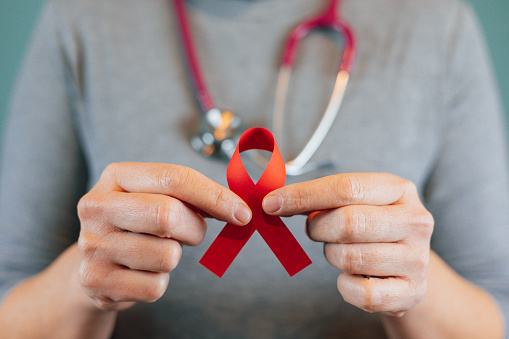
[17,18]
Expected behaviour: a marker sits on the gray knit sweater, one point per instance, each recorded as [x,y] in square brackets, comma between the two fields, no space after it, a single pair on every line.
[104,82]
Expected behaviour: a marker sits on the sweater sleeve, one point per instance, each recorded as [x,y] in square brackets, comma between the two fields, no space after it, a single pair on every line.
[43,172]
[468,190]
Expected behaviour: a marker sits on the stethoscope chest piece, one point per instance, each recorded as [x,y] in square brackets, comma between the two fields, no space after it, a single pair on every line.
[217,134]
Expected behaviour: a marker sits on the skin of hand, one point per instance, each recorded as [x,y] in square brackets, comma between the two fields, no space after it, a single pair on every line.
[133,225]
[36,307]
[452,308]
[374,229]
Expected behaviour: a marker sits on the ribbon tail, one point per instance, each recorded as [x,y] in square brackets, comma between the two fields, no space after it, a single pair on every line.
[226,247]
[291,256]
[282,243]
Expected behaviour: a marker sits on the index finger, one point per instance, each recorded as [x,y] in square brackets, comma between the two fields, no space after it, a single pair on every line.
[180,182]
[335,191]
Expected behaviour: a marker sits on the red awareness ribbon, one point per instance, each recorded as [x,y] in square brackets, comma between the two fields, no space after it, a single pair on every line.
[232,239]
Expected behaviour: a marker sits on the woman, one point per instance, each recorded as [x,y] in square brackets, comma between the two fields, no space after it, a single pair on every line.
[103,105]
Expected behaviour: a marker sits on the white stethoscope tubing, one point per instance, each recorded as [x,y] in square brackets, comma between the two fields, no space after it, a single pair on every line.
[300,164]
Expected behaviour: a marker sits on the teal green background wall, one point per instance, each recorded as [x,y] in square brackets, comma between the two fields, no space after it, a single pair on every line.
[17,18]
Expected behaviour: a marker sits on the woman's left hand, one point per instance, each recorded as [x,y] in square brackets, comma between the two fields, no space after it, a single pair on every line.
[375,230]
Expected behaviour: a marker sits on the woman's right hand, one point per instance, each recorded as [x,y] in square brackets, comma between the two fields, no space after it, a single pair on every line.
[133,223]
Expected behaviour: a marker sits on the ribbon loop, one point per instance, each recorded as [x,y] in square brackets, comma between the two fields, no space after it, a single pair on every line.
[232,239]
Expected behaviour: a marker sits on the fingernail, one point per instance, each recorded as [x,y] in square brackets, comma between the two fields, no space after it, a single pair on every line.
[272,203]
[242,214]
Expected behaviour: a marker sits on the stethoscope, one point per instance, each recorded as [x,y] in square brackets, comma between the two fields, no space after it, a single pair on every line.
[220,128]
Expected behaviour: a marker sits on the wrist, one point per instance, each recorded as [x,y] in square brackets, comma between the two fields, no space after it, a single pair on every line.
[97,321]
[452,308]
[79,300]
[58,306]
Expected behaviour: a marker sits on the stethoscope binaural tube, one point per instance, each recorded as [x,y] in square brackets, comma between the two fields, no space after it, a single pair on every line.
[328,19]
[220,128]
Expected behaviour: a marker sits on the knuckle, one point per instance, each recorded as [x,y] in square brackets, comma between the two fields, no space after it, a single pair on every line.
[90,206]
[416,292]
[381,300]
[167,217]
[218,198]
[170,255]
[361,296]
[421,265]
[418,262]
[299,199]
[409,187]
[156,290]
[331,254]
[173,178]
[105,304]
[176,254]
[88,244]
[111,170]
[161,214]
[351,187]
[424,223]
[350,259]
[174,217]
[367,306]
[166,263]
[88,277]
[201,232]
[349,221]
[367,299]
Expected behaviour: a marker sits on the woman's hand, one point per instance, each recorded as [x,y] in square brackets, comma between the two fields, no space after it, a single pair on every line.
[375,230]
[133,223]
